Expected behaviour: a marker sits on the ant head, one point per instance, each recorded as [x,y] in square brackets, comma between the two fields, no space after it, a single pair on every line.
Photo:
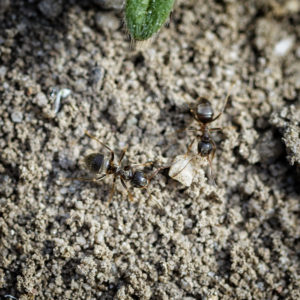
[204,147]
[204,111]
[139,179]
[96,162]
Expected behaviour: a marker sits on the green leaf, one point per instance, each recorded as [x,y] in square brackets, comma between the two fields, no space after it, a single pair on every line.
[146,17]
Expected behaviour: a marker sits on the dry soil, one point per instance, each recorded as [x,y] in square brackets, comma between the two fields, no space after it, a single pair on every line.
[239,239]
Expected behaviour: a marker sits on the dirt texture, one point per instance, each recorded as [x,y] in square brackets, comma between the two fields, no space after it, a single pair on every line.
[239,239]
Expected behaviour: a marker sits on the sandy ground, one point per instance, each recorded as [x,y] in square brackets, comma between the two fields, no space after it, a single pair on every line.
[239,239]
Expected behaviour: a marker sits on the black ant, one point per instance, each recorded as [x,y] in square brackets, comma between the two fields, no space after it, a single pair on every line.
[204,115]
[103,166]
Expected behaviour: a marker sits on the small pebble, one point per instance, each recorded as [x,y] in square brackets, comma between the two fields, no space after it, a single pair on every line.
[17,117]
[63,191]
[81,240]
[131,121]
[4,5]
[80,85]
[298,52]
[284,46]
[188,224]
[109,21]
[50,8]
[96,77]
[187,283]
[41,99]
[79,205]
[99,237]
[3,71]
[110,4]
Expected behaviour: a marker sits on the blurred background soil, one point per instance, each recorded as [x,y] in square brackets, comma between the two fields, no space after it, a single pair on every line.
[239,239]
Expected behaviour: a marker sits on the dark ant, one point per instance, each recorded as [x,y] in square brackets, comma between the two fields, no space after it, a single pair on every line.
[103,166]
[204,115]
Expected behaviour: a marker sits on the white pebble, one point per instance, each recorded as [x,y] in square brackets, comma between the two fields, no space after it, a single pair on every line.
[107,21]
[3,71]
[184,165]
[63,190]
[283,46]
[79,205]
[41,99]
[17,117]
[99,237]
[188,223]
[81,240]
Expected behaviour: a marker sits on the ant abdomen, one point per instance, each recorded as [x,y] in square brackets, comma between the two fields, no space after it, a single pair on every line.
[204,111]
[139,180]
[96,162]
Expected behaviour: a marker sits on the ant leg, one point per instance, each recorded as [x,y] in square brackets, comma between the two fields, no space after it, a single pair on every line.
[191,109]
[193,130]
[223,128]
[186,128]
[123,154]
[81,179]
[86,179]
[210,159]
[101,177]
[216,129]
[126,188]
[193,113]
[226,100]
[190,147]
[143,165]
[101,143]
[112,191]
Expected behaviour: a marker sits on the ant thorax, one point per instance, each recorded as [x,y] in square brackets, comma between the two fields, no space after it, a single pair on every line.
[126,173]
[205,137]
[113,169]
[205,146]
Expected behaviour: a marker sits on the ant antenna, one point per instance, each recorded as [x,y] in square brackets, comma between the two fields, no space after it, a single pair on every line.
[122,154]
[154,174]
[226,100]
[112,154]
[94,138]
[187,163]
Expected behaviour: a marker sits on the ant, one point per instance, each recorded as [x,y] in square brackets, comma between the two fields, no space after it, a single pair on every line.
[102,166]
[204,115]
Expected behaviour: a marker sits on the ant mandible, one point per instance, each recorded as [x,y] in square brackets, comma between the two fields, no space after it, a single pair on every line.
[103,166]
[204,115]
